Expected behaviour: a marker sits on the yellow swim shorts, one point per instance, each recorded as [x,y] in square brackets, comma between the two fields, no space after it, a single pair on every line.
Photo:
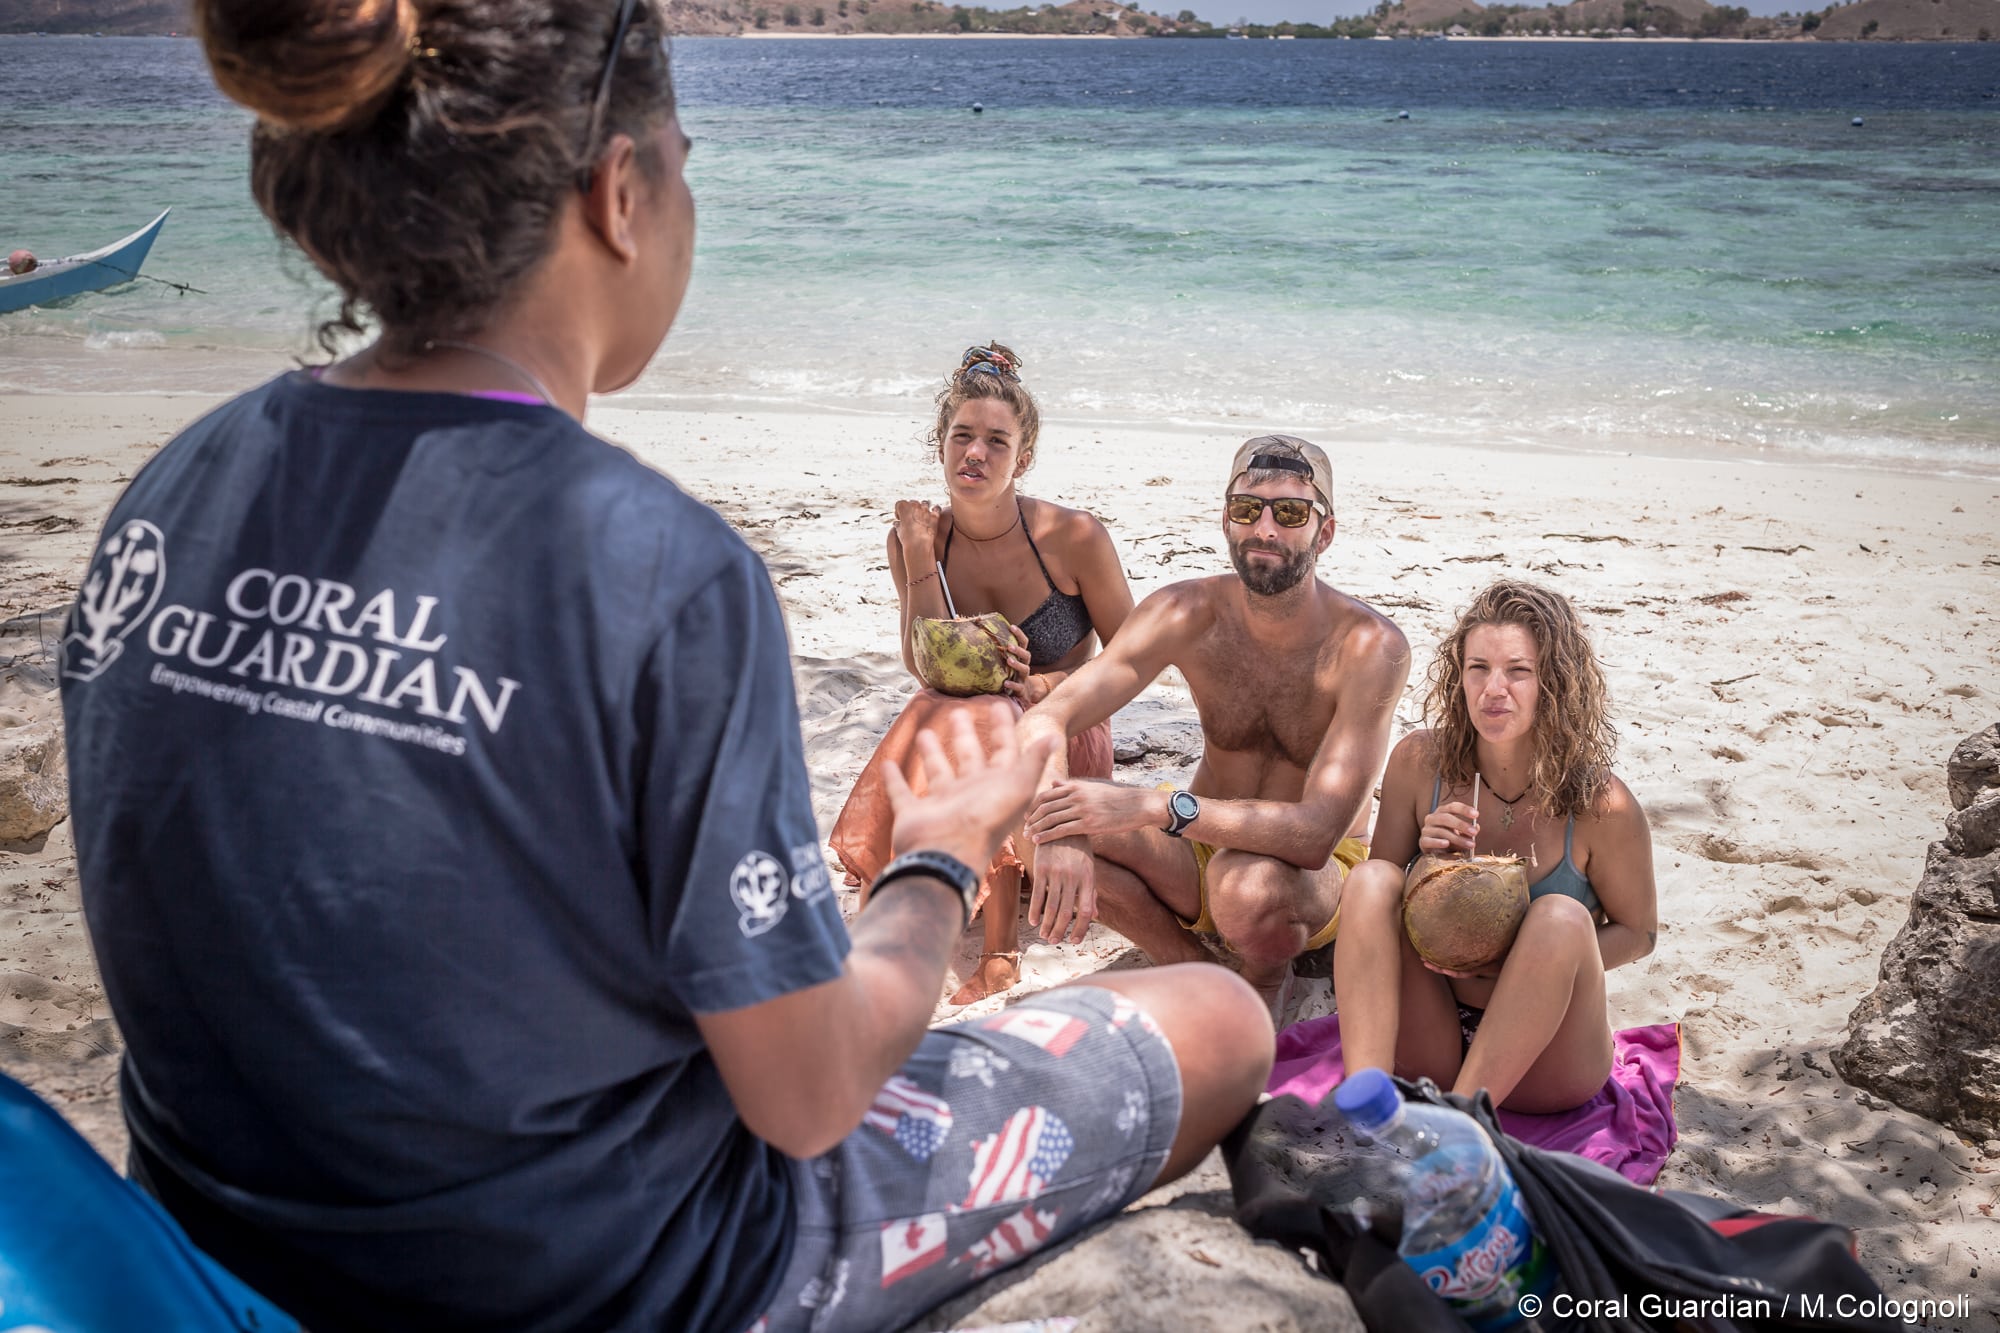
[1350,852]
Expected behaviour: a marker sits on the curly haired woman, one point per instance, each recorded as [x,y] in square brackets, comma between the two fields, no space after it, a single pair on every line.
[1517,705]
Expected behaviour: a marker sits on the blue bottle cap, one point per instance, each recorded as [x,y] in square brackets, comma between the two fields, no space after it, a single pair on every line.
[1369,1099]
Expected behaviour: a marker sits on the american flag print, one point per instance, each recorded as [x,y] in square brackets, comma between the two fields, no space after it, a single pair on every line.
[912,1117]
[1053,1032]
[1017,1162]
[912,1244]
[1016,1238]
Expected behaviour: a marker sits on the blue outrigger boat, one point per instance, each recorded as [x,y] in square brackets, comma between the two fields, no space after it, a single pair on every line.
[115,263]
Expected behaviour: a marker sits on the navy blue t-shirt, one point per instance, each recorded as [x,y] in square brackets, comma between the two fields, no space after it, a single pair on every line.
[433,762]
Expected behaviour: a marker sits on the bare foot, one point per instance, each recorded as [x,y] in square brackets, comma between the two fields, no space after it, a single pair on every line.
[997,972]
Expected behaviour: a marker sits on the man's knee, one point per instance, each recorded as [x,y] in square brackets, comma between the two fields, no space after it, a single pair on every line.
[1211,1016]
[1255,902]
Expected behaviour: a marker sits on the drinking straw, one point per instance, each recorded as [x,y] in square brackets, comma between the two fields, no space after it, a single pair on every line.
[950,610]
[1475,814]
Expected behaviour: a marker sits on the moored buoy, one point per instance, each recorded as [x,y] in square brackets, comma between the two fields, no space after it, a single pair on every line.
[976,109]
[1856,122]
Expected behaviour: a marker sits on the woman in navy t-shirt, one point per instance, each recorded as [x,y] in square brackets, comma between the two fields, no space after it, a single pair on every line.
[440,806]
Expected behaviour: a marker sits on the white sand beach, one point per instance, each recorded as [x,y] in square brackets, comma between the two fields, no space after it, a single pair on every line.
[1793,651]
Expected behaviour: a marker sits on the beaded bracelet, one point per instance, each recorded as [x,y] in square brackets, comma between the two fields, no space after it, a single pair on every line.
[916,581]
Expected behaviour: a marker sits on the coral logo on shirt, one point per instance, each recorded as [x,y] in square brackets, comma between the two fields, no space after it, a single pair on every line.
[760,887]
[119,590]
[283,645]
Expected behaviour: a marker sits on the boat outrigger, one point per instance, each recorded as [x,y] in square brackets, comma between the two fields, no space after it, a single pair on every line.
[115,263]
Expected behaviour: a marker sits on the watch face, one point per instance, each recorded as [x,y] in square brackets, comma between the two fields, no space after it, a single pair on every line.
[1185,806]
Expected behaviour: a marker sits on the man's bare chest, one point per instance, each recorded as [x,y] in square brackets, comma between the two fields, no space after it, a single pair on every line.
[1279,709]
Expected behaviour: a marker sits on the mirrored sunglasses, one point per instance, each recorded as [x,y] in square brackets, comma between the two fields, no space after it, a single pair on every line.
[1290,513]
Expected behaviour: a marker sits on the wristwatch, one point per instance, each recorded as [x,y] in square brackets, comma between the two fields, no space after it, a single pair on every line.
[1182,809]
[933,865]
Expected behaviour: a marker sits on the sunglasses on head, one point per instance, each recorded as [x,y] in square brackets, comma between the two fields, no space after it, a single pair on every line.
[602,101]
[1290,512]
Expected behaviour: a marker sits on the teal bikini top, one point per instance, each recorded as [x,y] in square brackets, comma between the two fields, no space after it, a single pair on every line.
[1565,879]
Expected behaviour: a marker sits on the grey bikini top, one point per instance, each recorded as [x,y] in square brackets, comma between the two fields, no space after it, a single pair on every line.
[1565,879]
[1059,624]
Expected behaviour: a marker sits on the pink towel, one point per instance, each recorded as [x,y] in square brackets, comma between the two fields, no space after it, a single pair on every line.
[1628,1126]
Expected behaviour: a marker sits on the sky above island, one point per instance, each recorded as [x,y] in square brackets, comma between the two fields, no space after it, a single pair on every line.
[1325,11]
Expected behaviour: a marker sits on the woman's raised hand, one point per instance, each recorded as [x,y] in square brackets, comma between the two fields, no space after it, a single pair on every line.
[1452,827]
[917,524]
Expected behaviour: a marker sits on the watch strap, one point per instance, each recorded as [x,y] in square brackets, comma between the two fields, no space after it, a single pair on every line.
[1176,821]
[933,865]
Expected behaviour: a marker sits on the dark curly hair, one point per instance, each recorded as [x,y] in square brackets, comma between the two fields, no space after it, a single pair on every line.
[1574,738]
[419,152]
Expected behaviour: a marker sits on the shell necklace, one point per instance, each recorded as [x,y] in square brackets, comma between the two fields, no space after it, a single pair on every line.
[1507,810]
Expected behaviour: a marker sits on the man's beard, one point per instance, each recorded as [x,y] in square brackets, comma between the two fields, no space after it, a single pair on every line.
[1270,580]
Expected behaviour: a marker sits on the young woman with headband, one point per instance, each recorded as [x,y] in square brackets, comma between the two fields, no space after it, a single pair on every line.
[441,812]
[1053,572]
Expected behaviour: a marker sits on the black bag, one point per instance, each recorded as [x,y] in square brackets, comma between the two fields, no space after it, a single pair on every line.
[1677,1260]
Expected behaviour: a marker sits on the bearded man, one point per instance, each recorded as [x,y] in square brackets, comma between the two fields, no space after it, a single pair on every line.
[1296,684]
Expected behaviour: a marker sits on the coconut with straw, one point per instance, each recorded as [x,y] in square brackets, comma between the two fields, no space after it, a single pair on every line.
[962,655]
[1461,912]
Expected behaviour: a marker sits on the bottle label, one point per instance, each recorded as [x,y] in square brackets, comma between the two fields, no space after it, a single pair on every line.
[1487,1270]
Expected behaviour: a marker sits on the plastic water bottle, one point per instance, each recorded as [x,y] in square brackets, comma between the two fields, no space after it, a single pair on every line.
[1466,1229]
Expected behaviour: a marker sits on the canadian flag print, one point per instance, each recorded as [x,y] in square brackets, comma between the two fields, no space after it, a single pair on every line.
[1016,1238]
[1018,1161]
[911,1245]
[1053,1032]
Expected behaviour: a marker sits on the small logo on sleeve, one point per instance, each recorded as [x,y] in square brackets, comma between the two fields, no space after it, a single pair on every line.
[809,878]
[118,593]
[760,887]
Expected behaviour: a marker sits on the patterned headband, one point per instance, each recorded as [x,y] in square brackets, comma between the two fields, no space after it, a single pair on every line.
[989,361]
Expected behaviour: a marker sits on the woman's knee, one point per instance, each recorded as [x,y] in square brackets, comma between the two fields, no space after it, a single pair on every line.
[1558,921]
[1373,889]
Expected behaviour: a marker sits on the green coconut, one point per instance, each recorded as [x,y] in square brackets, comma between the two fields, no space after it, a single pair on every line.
[963,657]
[1461,912]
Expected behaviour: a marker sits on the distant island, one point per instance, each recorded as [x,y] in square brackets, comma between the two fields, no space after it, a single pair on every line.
[1862,20]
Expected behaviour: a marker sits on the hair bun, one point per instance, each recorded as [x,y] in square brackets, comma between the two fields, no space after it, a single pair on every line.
[314,65]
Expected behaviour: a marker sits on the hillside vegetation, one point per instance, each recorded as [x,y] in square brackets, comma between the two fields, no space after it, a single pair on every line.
[1912,20]
[1865,20]
[688,17]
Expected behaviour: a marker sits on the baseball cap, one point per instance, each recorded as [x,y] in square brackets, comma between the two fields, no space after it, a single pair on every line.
[1287,453]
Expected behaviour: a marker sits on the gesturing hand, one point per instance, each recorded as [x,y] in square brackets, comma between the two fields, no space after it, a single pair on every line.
[1453,826]
[1064,900]
[971,800]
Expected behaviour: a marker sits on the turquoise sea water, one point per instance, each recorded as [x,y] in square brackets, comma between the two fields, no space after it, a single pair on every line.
[1661,247]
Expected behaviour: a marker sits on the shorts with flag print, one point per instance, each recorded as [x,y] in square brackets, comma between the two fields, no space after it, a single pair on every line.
[1000,1137]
